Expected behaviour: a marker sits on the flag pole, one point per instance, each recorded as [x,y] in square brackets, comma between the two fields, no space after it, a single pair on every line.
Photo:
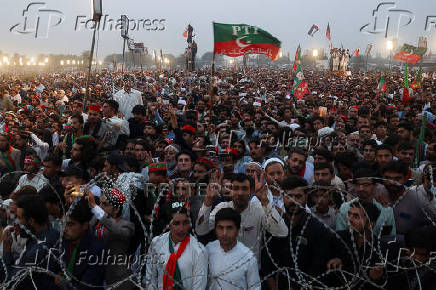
[420,143]
[213,53]
[367,55]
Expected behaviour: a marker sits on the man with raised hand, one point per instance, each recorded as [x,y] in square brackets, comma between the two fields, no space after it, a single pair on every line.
[255,216]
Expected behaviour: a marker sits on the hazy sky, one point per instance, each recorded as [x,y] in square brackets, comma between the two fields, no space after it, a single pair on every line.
[288,20]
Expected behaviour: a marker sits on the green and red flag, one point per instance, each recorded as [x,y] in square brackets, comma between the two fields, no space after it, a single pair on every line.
[382,84]
[300,87]
[357,52]
[327,33]
[297,60]
[241,39]
[410,54]
[406,96]
[418,79]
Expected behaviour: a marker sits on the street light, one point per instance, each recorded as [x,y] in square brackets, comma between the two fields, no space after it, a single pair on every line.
[315,53]
[62,62]
[390,46]
[46,60]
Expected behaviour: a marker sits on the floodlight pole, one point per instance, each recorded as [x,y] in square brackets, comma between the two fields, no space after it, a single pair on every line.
[124,52]
[91,56]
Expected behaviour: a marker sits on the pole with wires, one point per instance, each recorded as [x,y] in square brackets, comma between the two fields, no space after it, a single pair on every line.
[97,12]
[91,56]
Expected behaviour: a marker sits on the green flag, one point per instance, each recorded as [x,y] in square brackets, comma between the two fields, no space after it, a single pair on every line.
[241,39]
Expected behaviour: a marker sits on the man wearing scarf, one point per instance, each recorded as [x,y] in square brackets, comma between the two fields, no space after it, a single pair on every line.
[176,260]
[115,232]
[9,156]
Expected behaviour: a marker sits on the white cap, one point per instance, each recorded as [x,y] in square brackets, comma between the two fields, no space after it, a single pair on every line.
[271,160]
[257,104]
[325,131]
[181,102]
[294,126]
[255,163]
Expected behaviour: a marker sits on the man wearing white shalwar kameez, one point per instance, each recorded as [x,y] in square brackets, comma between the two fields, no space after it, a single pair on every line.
[231,264]
[192,263]
[128,98]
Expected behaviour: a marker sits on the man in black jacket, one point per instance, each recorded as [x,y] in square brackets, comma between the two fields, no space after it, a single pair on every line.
[304,253]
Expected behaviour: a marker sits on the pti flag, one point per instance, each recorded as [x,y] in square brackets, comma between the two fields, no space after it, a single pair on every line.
[297,60]
[327,33]
[410,54]
[313,30]
[406,96]
[418,79]
[300,87]
[241,39]
[382,84]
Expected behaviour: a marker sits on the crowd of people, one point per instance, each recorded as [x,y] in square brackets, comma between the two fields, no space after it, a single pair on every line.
[187,180]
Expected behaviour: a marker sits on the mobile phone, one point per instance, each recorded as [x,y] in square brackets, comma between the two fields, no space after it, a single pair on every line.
[210,149]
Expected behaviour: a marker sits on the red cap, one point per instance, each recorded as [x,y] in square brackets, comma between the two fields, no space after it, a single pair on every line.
[206,161]
[189,128]
[95,108]
[231,150]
